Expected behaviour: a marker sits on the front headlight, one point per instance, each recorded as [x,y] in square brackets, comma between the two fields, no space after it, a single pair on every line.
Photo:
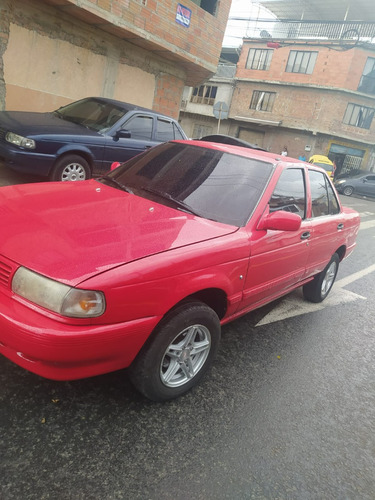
[57,297]
[18,140]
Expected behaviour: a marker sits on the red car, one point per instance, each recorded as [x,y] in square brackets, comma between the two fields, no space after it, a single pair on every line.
[140,268]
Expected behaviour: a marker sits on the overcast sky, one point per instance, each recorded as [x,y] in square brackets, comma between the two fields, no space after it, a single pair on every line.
[236,29]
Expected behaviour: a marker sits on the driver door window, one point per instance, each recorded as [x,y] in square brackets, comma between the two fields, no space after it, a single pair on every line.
[290,194]
[140,127]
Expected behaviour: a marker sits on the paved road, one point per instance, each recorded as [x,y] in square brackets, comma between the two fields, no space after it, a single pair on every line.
[8,177]
[287,412]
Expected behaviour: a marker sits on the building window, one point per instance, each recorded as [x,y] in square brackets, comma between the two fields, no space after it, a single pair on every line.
[358,116]
[262,101]
[259,59]
[209,6]
[205,94]
[300,61]
[367,83]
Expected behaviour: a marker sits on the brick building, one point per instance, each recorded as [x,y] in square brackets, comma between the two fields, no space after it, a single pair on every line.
[315,96]
[141,51]
[308,96]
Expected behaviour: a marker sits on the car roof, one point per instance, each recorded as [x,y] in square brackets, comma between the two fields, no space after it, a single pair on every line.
[227,139]
[248,152]
[320,159]
[126,105]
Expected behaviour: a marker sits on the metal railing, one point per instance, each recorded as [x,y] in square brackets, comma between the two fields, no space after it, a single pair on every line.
[352,32]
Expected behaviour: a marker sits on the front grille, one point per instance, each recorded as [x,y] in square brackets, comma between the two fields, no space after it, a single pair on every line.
[5,274]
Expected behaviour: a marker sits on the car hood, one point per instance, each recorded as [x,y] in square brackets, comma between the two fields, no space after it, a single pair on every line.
[29,124]
[72,231]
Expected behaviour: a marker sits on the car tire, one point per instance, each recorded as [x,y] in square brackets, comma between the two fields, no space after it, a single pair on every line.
[71,168]
[318,289]
[178,353]
[348,190]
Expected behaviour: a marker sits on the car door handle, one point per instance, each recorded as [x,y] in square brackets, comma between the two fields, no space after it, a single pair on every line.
[306,235]
[340,226]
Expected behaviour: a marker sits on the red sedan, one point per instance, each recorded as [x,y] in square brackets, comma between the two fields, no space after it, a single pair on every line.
[140,268]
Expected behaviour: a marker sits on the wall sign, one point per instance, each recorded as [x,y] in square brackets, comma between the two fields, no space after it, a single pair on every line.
[183,15]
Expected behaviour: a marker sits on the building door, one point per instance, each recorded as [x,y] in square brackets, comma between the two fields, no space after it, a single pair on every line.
[348,160]
[252,136]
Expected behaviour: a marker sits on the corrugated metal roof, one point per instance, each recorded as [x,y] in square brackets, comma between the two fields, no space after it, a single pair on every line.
[322,10]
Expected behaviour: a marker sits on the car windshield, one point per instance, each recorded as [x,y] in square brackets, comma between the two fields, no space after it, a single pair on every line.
[92,113]
[212,184]
[327,168]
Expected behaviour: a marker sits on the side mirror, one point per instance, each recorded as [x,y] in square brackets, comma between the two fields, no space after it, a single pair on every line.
[123,134]
[280,221]
[115,164]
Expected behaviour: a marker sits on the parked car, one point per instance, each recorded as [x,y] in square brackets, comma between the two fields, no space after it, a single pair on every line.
[323,162]
[81,139]
[140,268]
[363,184]
[227,139]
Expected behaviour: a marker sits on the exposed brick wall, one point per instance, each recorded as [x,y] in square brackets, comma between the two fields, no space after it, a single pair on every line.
[310,108]
[123,33]
[306,109]
[201,41]
[168,92]
[338,69]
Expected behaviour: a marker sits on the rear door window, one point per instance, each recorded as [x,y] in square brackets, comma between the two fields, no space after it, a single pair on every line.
[323,198]
[164,131]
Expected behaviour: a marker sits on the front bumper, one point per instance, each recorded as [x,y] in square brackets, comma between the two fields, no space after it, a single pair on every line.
[61,351]
[25,161]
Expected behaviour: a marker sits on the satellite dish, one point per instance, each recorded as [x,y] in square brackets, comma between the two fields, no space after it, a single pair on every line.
[265,34]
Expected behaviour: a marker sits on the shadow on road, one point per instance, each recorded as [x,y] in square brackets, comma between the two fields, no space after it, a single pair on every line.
[8,177]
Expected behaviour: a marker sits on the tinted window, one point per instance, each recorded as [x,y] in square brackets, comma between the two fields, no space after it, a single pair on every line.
[216,185]
[325,166]
[92,113]
[164,131]
[177,133]
[289,194]
[323,198]
[140,127]
[334,207]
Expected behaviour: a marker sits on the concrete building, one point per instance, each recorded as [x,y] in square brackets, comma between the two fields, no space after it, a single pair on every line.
[198,104]
[53,52]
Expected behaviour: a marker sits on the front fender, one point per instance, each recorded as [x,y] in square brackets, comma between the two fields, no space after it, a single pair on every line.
[76,149]
[154,285]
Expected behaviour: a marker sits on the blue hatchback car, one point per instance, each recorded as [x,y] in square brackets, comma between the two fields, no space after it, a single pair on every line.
[82,139]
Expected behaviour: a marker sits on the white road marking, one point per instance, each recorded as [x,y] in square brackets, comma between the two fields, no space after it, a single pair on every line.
[367,224]
[366,214]
[294,305]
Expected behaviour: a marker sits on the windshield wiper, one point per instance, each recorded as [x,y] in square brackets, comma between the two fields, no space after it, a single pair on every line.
[180,204]
[116,183]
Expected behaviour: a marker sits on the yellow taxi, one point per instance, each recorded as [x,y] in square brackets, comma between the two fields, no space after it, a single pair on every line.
[323,162]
